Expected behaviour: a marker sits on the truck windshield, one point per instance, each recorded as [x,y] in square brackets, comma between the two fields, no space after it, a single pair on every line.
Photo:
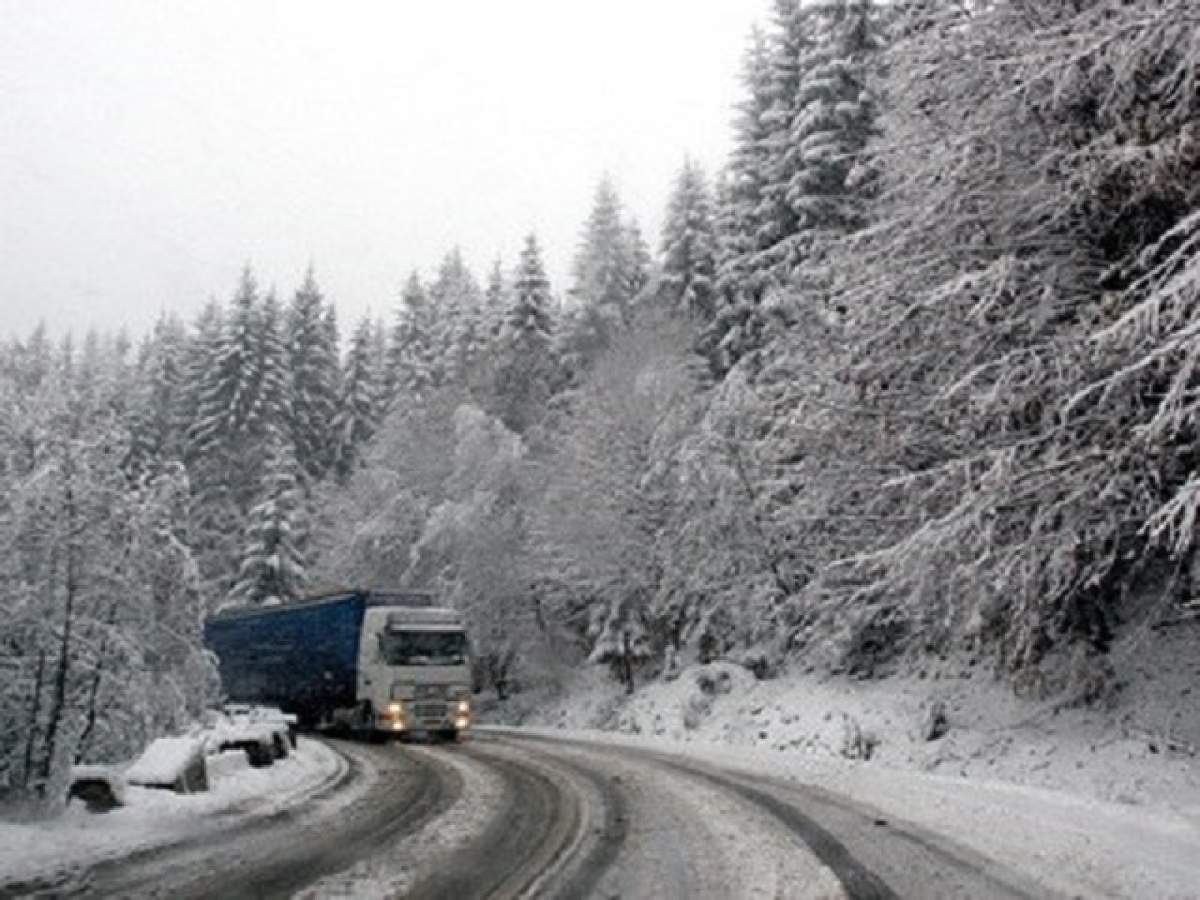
[423,648]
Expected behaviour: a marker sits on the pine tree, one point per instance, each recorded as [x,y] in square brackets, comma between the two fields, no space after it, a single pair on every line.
[792,44]
[747,173]
[275,383]
[224,440]
[199,358]
[229,392]
[332,352]
[688,246]
[356,417]
[157,420]
[603,270]
[458,333]
[379,363]
[639,263]
[737,326]
[272,566]
[529,321]
[312,362]
[833,119]
[411,363]
[33,360]
[525,367]
[495,301]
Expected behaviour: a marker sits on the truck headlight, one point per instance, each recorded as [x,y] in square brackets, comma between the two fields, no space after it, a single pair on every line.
[396,710]
[464,707]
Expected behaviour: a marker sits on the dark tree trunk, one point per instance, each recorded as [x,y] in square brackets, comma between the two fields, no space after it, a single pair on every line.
[35,710]
[89,727]
[63,669]
[626,665]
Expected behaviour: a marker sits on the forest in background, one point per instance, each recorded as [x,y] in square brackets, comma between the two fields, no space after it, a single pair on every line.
[914,372]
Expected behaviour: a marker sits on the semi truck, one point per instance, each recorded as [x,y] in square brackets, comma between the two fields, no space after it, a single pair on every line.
[376,662]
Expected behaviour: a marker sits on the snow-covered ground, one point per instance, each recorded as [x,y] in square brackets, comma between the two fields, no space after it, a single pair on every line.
[152,818]
[1144,749]
[1100,800]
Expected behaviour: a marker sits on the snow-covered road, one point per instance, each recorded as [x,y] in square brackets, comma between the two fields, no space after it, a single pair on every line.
[524,814]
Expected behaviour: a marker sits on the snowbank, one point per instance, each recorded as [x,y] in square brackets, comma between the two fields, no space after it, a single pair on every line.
[49,851]
[1139,752]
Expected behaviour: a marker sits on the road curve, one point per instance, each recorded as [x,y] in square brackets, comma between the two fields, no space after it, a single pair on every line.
[511,815]
[700,831]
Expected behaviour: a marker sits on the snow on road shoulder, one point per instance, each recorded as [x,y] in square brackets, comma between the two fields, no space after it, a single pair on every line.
[1077,845]
[1123,754]
[40,850]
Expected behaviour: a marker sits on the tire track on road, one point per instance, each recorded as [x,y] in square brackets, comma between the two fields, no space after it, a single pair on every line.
[557,831]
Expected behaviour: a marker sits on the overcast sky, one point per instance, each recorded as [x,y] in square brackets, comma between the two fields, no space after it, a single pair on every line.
[149,148]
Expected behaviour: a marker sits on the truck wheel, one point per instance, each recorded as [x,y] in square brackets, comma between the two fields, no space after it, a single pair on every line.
[449,735]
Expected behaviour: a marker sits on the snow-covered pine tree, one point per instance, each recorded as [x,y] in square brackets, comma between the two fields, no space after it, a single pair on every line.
[275,382]
[495,301]
[688,246]
[792,42]
[833,119]
[458,330]
[272,566]
[737,327]
[230,400]
[157,423]
[224,441]
[525,365]
[356,416]
[32,360]
[312,353]
[200,351]
[379,361]
[603,271]
[639,262]
[411,363]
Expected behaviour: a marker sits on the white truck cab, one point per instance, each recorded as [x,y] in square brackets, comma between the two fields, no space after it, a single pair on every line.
[414,671]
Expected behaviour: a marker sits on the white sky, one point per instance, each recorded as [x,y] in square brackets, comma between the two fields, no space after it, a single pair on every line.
[149,148]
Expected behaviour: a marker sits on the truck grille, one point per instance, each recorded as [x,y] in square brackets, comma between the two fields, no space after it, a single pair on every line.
[430,710]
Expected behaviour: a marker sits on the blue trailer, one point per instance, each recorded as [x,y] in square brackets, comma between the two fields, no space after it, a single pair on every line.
[357,658]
